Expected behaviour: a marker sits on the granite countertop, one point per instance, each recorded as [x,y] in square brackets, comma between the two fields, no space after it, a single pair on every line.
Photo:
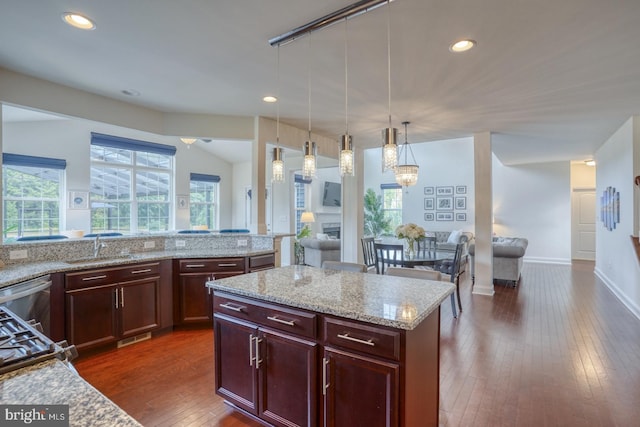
[397,302]
[53,383]
[20,272]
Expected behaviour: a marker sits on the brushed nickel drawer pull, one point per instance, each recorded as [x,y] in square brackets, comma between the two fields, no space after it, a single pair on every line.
[359,341]
[116,290]
[122,297]
[284,322]
[146,270]
[228,265]
[86,279]
[194,265]
[251,358]
[258,360]
[231,307]
[325,385]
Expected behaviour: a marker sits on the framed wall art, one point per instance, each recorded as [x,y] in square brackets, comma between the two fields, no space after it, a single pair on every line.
[429,204]
[444,203]
[444,216]
[429,216]
[461,203]
[78,200]
[428,191]
[444,191]
[460,216]
[461,189]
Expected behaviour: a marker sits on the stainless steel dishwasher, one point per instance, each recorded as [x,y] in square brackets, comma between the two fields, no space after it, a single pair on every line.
[30,300]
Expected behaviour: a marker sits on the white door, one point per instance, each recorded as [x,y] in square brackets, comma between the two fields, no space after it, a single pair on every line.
[583,224]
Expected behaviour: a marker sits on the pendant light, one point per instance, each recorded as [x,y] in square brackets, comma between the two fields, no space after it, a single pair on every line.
[390,134]
[309,148]
[346,147]
[406,174]
[187,140]
[277,163]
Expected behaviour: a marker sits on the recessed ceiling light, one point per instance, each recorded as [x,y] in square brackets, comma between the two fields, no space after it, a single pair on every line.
[590,162]
[130,92]
[270,98]
[78,21]
[462,45]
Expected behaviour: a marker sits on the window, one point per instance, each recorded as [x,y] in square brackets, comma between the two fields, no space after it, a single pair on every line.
[203,196]
[131,185]
[300,199]
[31,191]
[392,203]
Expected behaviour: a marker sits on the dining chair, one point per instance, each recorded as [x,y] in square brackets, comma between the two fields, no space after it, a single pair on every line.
[388,254]
[415,273]
[369,253]
[451,267]
[426,246]
[344,266]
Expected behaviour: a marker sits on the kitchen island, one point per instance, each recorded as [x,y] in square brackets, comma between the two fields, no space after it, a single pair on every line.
[305,346]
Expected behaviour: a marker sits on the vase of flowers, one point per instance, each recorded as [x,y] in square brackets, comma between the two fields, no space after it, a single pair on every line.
[410,232]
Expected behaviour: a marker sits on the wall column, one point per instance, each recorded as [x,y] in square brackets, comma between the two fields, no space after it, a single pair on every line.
[483,214]
[259,182]
[352,212]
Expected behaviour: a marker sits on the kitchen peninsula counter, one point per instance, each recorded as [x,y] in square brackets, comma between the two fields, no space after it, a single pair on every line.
[349,348]
[53,383]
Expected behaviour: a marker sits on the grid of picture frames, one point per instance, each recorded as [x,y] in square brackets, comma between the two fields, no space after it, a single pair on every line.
[445,203]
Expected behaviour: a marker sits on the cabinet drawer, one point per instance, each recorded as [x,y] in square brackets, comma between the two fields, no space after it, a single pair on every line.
[139,271]
[286,319]
[207,264]
[367,339]
[261,262]
[86,279]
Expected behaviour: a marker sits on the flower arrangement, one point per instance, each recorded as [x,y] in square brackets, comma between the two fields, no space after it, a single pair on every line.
[411,232]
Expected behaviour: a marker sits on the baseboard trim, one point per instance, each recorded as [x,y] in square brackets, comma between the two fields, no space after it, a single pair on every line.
[539,260]
[618,293]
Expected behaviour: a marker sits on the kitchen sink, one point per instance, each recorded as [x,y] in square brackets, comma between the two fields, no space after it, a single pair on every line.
[99,259]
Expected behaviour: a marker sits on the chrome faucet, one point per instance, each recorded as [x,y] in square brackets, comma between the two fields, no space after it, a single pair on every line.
[97,245]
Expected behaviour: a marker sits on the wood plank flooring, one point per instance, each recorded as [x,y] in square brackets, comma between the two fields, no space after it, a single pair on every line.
[558,350]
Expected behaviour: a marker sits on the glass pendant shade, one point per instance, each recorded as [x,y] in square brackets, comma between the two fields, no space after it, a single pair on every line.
[389,149]
[406,175]
[277,166]
[309,162]
[188,141]
[346,155]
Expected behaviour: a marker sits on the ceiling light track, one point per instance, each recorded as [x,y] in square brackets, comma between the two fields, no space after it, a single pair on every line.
[348,12]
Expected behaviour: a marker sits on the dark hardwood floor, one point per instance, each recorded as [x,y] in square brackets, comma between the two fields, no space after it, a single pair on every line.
[558,350]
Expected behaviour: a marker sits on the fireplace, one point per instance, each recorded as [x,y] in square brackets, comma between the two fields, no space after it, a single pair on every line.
[331,229]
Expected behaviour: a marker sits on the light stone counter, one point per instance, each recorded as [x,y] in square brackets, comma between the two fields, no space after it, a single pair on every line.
[392,301]
[53,383]
[20,272]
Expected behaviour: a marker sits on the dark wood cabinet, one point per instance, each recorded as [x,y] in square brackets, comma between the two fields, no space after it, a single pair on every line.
[287,366]
[107,305]
[192,298]
[268,373]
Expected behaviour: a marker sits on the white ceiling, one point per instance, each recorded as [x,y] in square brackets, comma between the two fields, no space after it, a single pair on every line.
[552,79]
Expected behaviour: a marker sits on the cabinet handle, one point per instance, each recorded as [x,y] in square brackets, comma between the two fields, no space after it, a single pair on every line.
[116,298]
[258,360]
[251,358]
[194,265]
[146,270]
[227,264]
[231,307]
[284,322]
[325,385]
[86,279]
[122,297]
[359,341]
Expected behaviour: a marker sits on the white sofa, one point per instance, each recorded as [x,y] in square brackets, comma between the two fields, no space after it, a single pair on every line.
[443,244]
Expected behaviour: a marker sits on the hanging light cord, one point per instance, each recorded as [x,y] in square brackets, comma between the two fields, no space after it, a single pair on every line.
[346,79]
[389,56]
[278,99]
[309,81]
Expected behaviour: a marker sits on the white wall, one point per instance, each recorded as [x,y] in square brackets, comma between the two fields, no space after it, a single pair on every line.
[242,174]
[442,163]
[616,261]
[534,201]
[70,140]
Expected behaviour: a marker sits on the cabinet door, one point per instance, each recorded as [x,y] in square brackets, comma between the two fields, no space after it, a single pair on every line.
[195,299]
[287,380]
[139,306]
[360,391]
[234,353]
[92,316]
